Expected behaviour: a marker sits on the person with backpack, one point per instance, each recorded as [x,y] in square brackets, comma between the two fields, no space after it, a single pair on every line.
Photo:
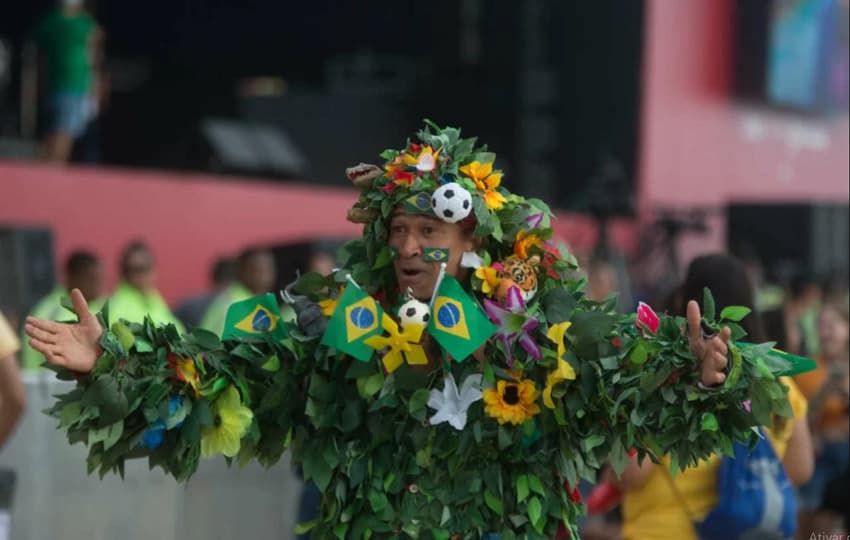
[660,505]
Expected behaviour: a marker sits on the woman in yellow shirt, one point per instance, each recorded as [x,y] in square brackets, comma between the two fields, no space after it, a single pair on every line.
[651,508]
[12,392]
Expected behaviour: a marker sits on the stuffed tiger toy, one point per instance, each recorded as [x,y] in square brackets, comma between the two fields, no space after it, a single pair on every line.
[520,273]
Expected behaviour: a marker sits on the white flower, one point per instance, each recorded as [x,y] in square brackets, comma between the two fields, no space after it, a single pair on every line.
[451,405]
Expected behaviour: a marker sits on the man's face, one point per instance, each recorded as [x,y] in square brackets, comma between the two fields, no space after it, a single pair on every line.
[410,234]
[139,270]
[89,280]
[257,272]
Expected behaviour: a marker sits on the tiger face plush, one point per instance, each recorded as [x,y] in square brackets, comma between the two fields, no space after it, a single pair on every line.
[518,273]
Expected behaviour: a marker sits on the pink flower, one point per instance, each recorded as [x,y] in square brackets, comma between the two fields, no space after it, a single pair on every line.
[646,318]
[748,405]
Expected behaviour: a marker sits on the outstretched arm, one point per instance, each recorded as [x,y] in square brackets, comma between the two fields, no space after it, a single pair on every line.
[72,346]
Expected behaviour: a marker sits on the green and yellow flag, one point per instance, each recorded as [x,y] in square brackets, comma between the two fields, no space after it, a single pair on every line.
[357,317]
[457,322]
[254,317]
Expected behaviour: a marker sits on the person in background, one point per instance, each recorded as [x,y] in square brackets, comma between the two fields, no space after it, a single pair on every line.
[136,295]
[828,391]
[13,395]
[651,508]
[255,274]
[69,41]
[84,271]
[192,309]
[793,325]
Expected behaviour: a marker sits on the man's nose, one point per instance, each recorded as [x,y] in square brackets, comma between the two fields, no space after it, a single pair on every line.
[411,247]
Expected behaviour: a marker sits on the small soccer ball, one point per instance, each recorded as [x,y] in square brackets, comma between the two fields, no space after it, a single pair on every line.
[414,311]
[451,202]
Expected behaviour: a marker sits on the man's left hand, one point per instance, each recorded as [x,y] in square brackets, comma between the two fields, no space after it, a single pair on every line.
[711,351]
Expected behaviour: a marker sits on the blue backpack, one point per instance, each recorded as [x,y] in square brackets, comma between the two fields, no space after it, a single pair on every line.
[755,499]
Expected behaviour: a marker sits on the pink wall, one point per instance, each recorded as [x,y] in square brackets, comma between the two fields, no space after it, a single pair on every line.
[701,148]
[188,219]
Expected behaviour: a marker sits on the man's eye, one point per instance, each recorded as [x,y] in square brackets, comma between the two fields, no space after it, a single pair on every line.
[428,230]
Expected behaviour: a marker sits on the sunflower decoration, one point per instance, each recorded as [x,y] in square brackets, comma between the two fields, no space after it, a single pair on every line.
[513,402]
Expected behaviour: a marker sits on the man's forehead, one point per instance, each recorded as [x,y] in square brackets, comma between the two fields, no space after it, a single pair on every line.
[400,213]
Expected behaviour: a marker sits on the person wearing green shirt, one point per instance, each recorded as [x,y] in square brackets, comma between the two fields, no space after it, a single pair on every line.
[136,295]
[69,44]
[255,274]
[84,271]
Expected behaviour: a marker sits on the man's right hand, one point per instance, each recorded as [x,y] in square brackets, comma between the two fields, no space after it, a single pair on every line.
[73,346]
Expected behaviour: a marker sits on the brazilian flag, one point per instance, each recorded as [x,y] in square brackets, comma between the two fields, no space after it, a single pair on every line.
[457,322]
[254,317]
[357,316]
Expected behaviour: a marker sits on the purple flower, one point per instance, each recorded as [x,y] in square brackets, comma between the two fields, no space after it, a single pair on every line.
[514,324]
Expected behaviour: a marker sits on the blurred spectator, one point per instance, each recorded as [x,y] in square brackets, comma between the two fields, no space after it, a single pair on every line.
[828,391]
[70,45]
[12,392]
[651,508]
[255,274]
[83,270]
[192,309]
[794,325]
[136,295]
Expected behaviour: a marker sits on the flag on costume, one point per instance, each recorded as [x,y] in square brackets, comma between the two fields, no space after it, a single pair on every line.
[254,317]
[457,322]
[357,317]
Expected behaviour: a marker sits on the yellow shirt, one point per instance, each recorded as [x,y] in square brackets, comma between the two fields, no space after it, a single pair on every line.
[653,511]
[8,340]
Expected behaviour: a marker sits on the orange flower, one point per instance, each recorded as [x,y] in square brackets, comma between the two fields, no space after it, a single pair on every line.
[478,172]
[185,370]
[425,159]
[525,241]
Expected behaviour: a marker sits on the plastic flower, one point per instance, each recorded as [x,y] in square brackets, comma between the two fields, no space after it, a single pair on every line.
[525,241]
[647,318]
[512,402]
[402,345]
[425,158]
[556,335]
[230,423]
[451,405]
[487,181]
[514,323]
[153,435]
[490,279]
[564,372]
[185,370]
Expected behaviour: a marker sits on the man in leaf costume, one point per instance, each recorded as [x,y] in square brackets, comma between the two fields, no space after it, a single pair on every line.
[456,381]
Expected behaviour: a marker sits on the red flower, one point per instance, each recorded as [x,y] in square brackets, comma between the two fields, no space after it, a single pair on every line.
[646,318]
[414,148]
[574,493]
[615,341]
[403,177]
[563,532]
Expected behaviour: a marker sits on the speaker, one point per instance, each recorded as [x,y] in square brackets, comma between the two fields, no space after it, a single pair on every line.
[791,239]
[27,269]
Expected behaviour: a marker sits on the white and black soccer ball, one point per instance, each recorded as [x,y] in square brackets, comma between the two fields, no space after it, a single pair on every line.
[451,202]
[414,311]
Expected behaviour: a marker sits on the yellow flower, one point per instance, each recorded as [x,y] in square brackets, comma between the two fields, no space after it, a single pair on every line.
[490,279]
[512,402]
[564,372]
[487,181]
[524,242]
[401,345]
[478,172]
[556,335]
[230,423]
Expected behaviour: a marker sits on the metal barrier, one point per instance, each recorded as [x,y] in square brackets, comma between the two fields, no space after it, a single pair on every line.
[54,497]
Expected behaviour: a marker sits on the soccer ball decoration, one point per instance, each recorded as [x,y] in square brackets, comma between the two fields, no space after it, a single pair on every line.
[451,202]
[414,311]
